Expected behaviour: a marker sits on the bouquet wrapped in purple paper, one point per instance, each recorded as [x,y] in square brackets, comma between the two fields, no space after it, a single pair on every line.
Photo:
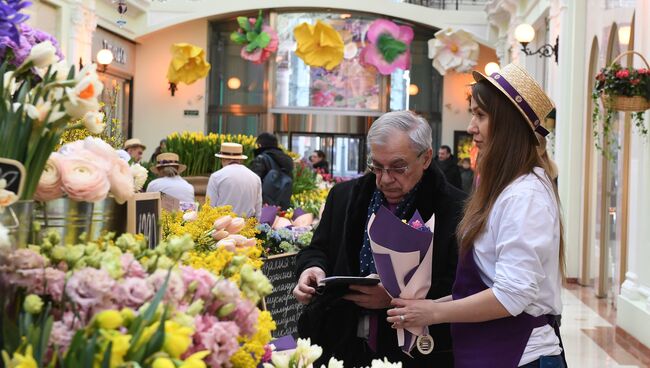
[403,253]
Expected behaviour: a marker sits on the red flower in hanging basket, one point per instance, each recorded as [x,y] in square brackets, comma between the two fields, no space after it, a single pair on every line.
[622,74]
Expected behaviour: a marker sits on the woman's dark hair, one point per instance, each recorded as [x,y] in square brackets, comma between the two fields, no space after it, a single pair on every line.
[267,140]
[320,154]
[511,152]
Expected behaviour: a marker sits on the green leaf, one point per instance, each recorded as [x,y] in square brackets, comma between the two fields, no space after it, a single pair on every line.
[259,22]
[251,36]
[244,23]
[237,38]
[72,358]
[89,352]
[390,48]
[158,338]
[263,39]
[106,361]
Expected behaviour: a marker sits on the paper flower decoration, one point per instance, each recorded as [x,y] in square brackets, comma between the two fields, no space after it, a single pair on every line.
[453,50]
[388,46]
[260,41]
[319,45]
[188,64]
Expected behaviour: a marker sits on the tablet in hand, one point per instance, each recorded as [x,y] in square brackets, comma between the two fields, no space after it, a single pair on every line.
[349,280]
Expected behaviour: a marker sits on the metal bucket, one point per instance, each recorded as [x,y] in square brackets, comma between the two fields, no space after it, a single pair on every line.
[17,218]
[70,218]
[108,216]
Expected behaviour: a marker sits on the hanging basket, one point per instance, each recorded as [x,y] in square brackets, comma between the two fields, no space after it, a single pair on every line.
[625,103]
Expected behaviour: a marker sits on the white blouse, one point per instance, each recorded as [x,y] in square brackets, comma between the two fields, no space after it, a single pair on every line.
[518,256]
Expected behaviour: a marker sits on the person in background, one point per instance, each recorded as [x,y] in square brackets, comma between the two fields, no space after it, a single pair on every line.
[168,168]
[449,166]
[234,184]
[319,162]
[549,165]
[466,175]
[132,151]
[159,150]
[269,156]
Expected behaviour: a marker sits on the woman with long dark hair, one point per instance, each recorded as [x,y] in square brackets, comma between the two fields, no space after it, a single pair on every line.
[511,263]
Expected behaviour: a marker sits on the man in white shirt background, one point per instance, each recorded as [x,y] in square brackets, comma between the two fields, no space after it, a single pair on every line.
[133,150]
[235,184]
[168,168]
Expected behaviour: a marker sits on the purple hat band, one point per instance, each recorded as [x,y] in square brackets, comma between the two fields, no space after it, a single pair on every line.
[521,102]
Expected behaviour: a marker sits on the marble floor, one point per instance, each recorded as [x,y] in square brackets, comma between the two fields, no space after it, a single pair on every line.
[590,335]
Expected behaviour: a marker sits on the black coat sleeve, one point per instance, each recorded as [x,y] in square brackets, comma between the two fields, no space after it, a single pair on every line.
[316,254]
[258,166]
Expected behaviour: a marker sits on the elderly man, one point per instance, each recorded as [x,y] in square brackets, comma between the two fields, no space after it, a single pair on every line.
[403,179]
[234,184]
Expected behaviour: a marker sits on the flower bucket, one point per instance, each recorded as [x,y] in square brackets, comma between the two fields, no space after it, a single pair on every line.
[17,218]
[626,103]
[70,218]
[108,216]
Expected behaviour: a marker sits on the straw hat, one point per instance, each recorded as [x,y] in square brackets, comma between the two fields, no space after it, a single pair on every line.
[167,159]
[524,92]
[134,142]
[233,151]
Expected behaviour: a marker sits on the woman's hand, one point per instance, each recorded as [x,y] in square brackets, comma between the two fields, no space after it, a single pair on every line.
[412,313]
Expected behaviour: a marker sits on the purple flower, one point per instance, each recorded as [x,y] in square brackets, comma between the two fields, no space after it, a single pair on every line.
[28,37]
[10,18]
[90,287]
[132,292]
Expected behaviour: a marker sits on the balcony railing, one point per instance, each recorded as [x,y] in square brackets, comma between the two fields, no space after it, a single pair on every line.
[449,4]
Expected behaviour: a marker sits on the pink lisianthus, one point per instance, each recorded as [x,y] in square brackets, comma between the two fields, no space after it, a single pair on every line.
[50,185]
[175,287]
[372,55]
[54,283]
[201,280]
[90,287]
[83,179]
[25,259]
[61,335]
[245,316]
[218,337]
[132,292]
[131,267]
[259,55]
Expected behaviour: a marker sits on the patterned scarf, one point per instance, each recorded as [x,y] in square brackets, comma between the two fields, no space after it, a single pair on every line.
[366,262]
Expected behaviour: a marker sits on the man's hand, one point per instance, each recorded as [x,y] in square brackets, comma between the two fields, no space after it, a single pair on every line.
[369,297]
[306,287]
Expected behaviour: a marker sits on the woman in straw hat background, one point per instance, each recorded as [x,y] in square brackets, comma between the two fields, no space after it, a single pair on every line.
[510,267]
[170,182]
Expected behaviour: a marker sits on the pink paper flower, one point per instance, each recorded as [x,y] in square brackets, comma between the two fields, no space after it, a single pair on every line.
[50,185]
[388,46]
[259,55]
[132,292]
[83,179]
[201,280]
[90,287]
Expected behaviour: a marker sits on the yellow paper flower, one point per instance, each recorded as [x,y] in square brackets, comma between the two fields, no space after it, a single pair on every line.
[319,45]
[188,64]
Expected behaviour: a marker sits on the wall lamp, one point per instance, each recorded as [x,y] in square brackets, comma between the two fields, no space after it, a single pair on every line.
[524,33]
[104,57]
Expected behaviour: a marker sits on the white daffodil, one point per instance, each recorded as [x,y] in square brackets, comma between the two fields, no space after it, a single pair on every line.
[94,122]
[7,198]
[41,110]
[42,55]
[333,363]
[453,50]
[83,97]
[9,82]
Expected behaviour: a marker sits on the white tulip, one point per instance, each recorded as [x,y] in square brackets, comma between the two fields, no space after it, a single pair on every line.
[333,363]
[314,353]
[94,122]
[42,55]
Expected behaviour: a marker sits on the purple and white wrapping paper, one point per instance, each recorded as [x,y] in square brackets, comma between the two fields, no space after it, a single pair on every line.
[403,258]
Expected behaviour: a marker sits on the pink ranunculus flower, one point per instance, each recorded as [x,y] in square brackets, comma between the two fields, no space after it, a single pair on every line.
[90,287]
[202,280]
[372,55]
[622,74]
[259,55]
[132,292]
[131,267]
[83,179]
[50,185]
[121,181]
[175,287]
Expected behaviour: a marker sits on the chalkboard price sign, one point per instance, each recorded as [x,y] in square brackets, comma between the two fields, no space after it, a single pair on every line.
[13,172]
[284,308]
[143,217]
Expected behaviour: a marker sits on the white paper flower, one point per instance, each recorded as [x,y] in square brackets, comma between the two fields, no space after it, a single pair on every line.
[42,55]
[140,175]
[94,122]
[453,50]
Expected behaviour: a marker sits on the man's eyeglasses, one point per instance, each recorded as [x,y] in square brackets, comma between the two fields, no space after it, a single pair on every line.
[392,171]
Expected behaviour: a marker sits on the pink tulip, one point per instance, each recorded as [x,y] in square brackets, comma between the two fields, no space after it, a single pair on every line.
[222,222]
[236,225]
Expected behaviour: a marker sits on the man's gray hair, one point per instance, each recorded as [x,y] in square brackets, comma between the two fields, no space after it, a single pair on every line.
[417,128]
